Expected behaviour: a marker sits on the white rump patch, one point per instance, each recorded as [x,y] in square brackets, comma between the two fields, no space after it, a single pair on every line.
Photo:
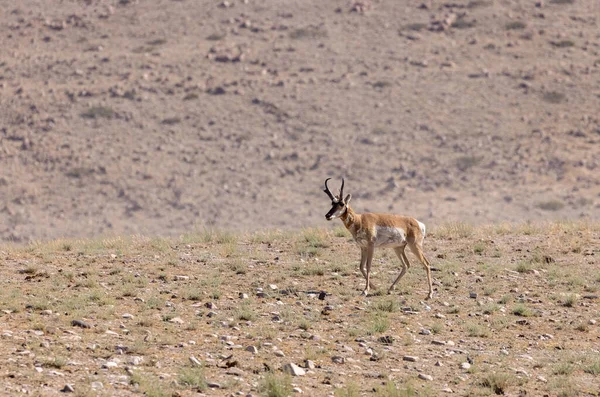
[422,226]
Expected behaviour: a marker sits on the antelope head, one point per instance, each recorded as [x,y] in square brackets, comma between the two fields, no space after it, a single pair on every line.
[338,205]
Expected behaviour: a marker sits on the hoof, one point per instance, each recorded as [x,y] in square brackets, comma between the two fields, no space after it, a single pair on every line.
[365,293]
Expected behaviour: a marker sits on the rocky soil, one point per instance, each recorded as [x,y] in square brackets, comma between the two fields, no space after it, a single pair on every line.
[515,312]
[160,117]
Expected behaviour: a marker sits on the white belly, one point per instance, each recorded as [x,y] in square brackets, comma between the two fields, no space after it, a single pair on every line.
[389,237]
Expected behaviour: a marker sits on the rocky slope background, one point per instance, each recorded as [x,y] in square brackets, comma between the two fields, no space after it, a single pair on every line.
[166,116]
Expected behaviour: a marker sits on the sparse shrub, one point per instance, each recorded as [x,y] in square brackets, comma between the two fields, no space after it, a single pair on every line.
[274,385]
[191,96]
[55,362]
[245,313]
[388,305]
[351,390]
[564,368]
[417,27]
[522,310]
[341,231]
[562,43]
[171,121]
[477,3]
[157,42]
[454,230]
[553,97]
[308,33]
[568,300]
[497,382]
[551,205]
[379,324]
[96,112]
[464,163]
[593,368]
[582,327]
[562,1]
[523,267]
[313,270]
[436,328]
[479,247]
[193,378]
[463,23]
[390,389]
[216,36]
[381,84]
[515,25]
[477,331]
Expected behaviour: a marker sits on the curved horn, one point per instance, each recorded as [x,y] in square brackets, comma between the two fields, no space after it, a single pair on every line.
[342,190]
[327,191]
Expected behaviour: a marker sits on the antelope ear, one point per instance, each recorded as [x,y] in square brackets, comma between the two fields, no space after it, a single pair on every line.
[347,199]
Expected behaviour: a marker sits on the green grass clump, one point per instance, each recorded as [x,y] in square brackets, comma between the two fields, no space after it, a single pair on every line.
[274,385]
[522,310]
[192,378]
[497,382]
[96,112]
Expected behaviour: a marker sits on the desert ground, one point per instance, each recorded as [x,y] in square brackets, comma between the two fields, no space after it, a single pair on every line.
[161,117]
[162,227]
[515,312]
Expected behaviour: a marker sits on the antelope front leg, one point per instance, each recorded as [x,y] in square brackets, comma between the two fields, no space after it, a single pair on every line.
[369,258]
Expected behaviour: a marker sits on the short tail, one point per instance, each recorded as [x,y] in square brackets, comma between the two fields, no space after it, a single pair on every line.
[423,229]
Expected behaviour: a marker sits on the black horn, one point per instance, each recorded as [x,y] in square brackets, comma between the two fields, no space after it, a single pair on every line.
[342,190]
[326,190]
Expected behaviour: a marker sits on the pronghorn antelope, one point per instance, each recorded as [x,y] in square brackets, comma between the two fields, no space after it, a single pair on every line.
[371,231]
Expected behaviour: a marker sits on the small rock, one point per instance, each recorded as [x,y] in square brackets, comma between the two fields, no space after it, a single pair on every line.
[293,370]
[425,377]
[110,364]
[181,278]
[309,364]
[127,315]
[235,372]
[338,359]
[195,361]
[439,315]
[439,364]
[473,295]
[81,324]
[97,385]
[46,312]
[279,353]
[592,322]
[424,331]
[521,371]
[273,287]
[252,349]
[322,295]
[465,365]
[447,390]
[213,385]
[68,389]
[136,360]
[243,296]
[210,305]
[411,359]
[542,379]
[438,342]
[211,314]
[176,320]
[297,390]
